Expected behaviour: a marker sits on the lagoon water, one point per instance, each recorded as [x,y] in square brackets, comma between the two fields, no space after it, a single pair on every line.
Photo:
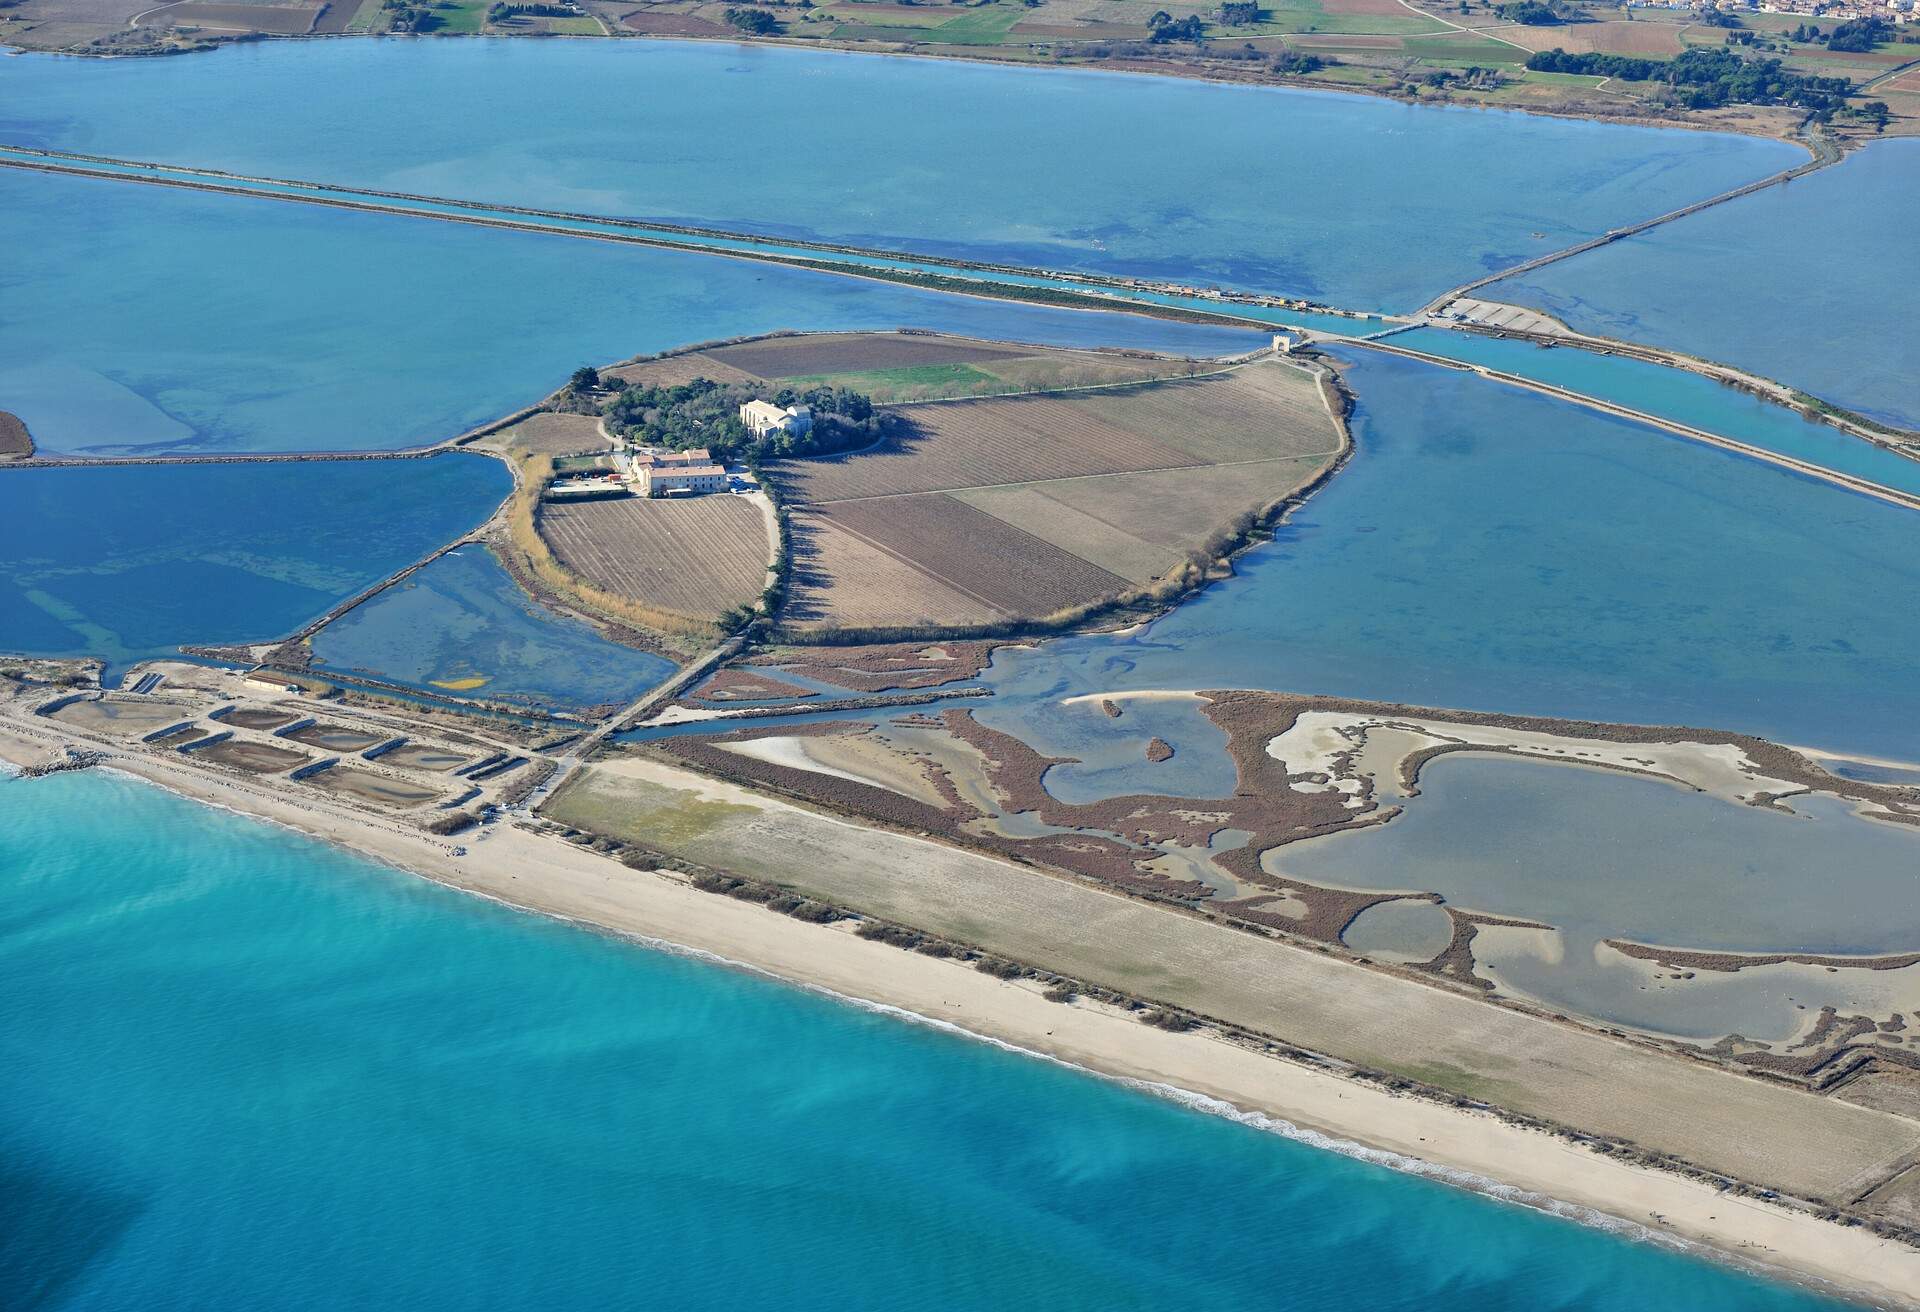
[241,1069]
[1791,283]
[129,562]
[153,320]
[1494,549]
[463,626]
[1687,398]
[1356,201]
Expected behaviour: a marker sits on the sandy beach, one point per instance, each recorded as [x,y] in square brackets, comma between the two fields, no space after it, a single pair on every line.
[1473,1149]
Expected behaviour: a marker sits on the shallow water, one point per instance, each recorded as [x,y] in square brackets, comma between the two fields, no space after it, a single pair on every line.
[1597,854]
[129,562]
[462,626]
[1357,201]
[382,334]
[1686,398]
[1492,549]
[243,1069]
[1768,282]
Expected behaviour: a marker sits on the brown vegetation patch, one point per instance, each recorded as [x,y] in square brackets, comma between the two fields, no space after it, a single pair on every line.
[15,441]
[693,556]
[884,667]
[842,353]
[739,685]
[1728,962]
[552,434]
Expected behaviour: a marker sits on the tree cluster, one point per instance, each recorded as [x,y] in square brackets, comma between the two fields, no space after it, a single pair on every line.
[1860,35]
[1530,13]
[1297,62]
[1239,13]
[1167,28]
[754,22]
[1707,79]
[706,413]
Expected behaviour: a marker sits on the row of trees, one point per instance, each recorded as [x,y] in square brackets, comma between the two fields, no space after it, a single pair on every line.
[706,413]
[1707,79]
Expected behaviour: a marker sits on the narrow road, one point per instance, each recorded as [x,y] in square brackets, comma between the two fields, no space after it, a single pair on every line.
[1824,154]
[1851,482]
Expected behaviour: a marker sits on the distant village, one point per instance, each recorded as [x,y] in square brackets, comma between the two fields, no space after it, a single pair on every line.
[1891,11]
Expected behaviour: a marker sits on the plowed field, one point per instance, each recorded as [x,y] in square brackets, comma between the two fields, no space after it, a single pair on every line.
[694,557]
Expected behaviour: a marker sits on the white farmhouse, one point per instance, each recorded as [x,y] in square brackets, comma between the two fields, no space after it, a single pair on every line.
[763,417]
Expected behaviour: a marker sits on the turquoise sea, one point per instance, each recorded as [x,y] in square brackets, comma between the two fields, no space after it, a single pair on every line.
[1801,283]
[240,1069]
[276,327]
[128,562]
[1357,201]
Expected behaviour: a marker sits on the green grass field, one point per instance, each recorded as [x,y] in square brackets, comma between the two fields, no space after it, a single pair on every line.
[460,17]
[1312,16]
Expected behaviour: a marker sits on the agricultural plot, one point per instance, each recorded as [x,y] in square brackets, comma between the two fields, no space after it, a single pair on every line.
[997,510]
[896,368]
[275,20]
[1655,40]
[550,434]
[976,554]
[693,558]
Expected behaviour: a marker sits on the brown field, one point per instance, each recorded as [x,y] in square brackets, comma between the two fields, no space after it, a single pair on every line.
[335,17]
[695,557]
[983,443]
[1141,526]
[844,353]
[279,20]
[1025,507]
[846,582]
[1259,413]
[1654,39]
[659,24]
[255,758]
[15,442]
[973,553]
[674,370]
[552,435]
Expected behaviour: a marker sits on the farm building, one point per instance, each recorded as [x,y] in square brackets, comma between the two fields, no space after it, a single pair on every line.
[763,417]
[661,473]
[665,480]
